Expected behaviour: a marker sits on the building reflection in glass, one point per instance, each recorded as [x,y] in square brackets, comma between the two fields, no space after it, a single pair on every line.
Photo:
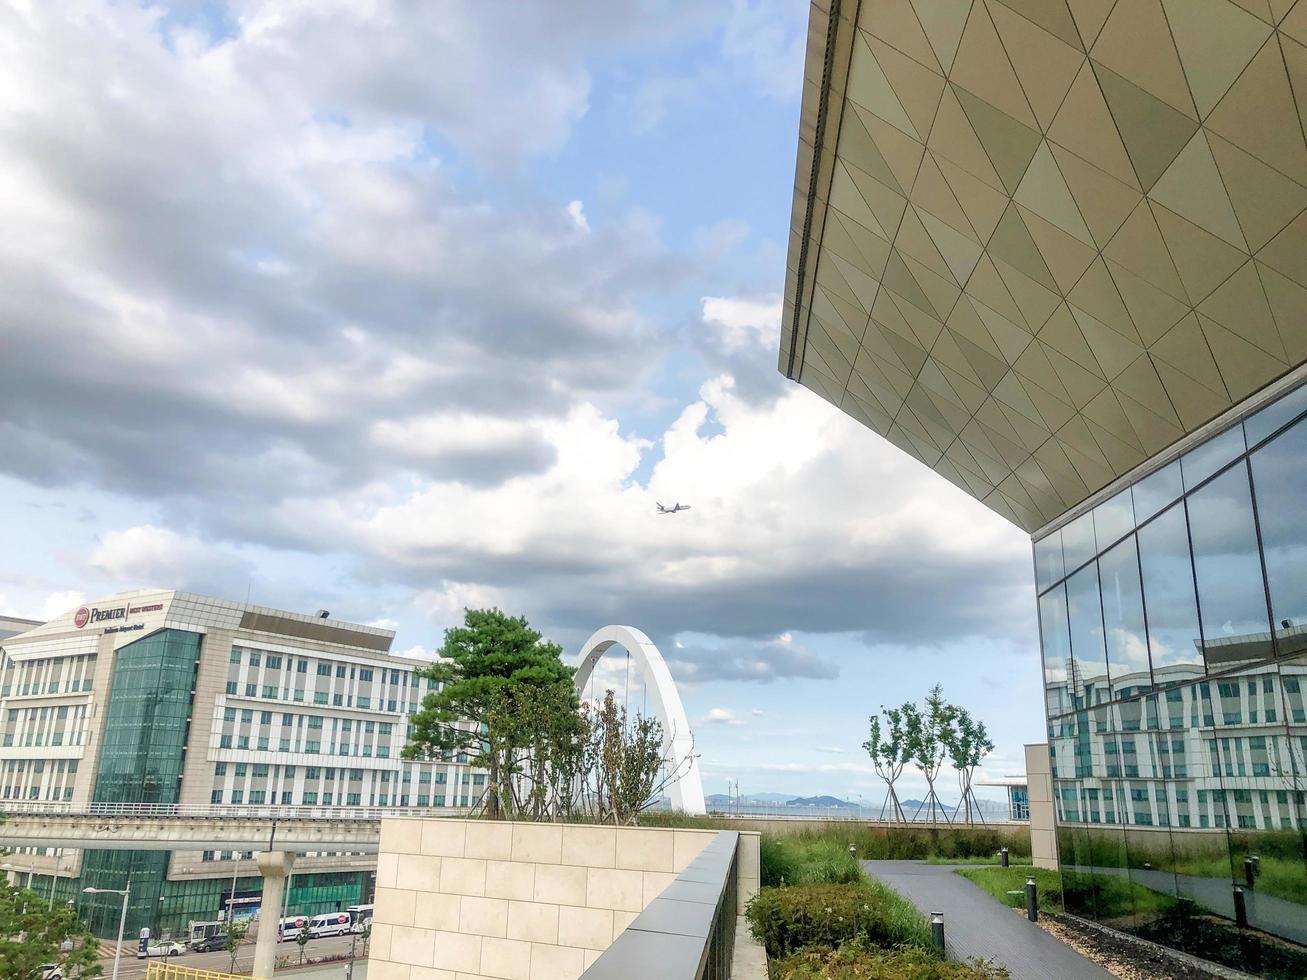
[1174,627]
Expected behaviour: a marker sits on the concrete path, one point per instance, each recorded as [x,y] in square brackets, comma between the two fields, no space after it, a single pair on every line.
[749,959]
[978,925]
[1277,916]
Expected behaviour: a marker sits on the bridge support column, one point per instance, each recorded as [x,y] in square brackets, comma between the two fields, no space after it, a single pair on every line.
[274,866]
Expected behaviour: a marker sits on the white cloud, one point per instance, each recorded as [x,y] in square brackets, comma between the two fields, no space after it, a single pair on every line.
[743,322]
[720,716]
[150,556]
[58,603]
[576,211]
[829,749]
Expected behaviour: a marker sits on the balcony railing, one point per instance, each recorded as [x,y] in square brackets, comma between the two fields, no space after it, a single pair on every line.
[688,931]
[206,811]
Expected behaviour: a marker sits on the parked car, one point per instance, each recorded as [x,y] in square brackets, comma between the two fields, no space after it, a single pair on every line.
[210,944]
[168,948]
[52,971]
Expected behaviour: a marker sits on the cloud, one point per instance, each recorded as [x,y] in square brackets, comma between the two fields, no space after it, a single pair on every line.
[762,661]
[362,316]
[744,322]
[58,603]
[829,749]
[576,211]
[720,716]
[158,556]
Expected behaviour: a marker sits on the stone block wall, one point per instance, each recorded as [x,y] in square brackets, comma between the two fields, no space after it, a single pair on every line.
[1043,827]
[458,899]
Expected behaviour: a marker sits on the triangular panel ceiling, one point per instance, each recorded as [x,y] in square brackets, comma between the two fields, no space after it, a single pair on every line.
[1060,233]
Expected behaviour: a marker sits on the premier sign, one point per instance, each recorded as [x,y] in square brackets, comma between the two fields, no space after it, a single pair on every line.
[84,616]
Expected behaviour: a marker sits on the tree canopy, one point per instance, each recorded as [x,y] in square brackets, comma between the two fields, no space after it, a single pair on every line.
[32,932]
[496,678]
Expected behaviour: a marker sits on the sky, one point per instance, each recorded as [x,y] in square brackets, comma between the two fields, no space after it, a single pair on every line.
[394,309]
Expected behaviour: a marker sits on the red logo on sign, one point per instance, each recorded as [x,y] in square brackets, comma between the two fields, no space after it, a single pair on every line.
[82,617]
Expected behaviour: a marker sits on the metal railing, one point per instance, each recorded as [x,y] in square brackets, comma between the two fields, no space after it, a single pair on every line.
[170,971]
[688,931]
[205,811]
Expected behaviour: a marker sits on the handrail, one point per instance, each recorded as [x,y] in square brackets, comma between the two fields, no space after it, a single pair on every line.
[175,971]
[688,931]
[205,811]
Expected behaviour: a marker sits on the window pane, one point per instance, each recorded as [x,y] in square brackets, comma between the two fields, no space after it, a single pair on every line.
[1123,617]
[1113,519]
[1275,415]
[1231,596]
[1172,613]
[1057,649]
[1078,541]
[1202,461]
[1154,492]
[1282,511]
[1089,680]
[1048,561]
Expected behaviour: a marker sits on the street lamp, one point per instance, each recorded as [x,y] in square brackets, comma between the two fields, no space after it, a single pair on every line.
[122,919]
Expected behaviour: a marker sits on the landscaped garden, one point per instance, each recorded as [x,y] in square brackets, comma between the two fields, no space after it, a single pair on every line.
[819,916]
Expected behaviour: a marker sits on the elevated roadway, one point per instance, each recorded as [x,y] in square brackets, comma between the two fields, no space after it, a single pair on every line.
[147,827]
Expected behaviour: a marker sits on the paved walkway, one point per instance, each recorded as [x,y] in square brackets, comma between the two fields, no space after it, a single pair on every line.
[977,925]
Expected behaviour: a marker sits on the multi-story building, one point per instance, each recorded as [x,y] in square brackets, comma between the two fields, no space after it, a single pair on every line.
[172,698]
[1057,251]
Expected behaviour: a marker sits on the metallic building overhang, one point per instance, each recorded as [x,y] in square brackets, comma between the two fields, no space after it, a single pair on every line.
[1035,243]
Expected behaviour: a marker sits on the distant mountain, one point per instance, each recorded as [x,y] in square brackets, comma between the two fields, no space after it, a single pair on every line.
[722,799]
[826,801]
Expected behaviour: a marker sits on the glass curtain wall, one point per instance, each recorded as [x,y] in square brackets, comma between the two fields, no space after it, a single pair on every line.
[141,759]
[1173,620]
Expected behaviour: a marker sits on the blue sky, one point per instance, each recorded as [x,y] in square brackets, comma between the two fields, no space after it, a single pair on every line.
[393,311]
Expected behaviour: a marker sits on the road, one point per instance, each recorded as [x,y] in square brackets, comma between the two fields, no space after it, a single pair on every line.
[133,969]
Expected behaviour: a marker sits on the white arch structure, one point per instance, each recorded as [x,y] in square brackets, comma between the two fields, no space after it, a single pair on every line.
[687,791]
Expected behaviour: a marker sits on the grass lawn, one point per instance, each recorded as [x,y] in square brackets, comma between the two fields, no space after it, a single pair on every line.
[1013,860]
[1099,896]
[999,881]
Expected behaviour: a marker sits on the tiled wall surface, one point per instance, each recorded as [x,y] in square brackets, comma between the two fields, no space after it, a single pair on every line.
[459,899]
[1043,831]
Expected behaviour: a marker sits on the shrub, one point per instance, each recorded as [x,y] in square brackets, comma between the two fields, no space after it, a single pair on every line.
[787,919]
[807,861]
[880,843]
[857,960]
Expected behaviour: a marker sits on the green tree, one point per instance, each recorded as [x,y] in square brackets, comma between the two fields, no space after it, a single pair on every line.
[238,932]
[32,933]
[303,938]
[889,750]
[968,744]
[488,670]
[929,733]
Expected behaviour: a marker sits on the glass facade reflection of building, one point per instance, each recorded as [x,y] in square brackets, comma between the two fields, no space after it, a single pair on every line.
[1173,619]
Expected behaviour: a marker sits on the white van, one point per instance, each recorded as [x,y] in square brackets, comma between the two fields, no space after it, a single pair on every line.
[331,924]
[290,928]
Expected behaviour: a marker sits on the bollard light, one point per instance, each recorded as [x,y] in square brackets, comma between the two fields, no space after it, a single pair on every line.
[1032,899]
[1003,857]
[1248,873]
[1240,909]
[937,930]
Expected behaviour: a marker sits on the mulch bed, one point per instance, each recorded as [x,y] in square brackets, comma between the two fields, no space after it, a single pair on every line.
[1122,957]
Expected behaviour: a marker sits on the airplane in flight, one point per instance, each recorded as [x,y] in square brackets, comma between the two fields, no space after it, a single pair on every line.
[675,508]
